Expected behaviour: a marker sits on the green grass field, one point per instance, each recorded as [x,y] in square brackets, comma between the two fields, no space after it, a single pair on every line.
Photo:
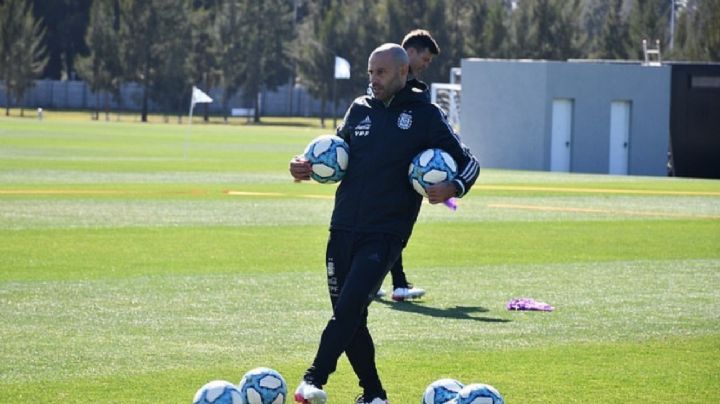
[139,261]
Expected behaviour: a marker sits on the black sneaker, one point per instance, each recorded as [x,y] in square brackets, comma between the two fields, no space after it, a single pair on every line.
[377,400]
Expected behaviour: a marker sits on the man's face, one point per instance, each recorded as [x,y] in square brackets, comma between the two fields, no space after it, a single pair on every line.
[386,75]
[419,61]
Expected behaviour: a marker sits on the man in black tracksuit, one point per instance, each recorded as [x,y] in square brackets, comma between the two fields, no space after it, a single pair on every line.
[375,210]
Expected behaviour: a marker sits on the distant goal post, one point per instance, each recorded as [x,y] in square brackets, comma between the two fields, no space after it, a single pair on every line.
[447,97]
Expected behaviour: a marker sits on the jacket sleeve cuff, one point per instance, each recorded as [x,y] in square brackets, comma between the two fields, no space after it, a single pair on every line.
[459,188]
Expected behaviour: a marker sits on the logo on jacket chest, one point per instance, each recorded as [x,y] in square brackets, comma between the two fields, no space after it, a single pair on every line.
[363,128]
[404,120]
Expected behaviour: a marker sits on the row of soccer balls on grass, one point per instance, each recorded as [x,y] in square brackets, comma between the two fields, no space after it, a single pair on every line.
[267,386]
[329,155]
[257,386]
[451,391]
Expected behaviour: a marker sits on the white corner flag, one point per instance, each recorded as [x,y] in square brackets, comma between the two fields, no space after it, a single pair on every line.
[342,68]
[198,96]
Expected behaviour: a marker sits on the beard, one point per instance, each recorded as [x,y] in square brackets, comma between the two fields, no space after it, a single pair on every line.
[386,92]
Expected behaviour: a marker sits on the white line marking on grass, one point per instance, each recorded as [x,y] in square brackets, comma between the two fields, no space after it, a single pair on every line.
[593,190]
[58,192]
[194,192]
[317,196]
[603,211]
[246,193]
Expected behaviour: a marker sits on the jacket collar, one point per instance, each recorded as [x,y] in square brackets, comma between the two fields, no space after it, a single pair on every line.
[414,92]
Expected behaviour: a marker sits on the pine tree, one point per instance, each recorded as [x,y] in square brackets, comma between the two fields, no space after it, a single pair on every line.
[65,22]
[22,52]
[547,29]
[348,29]
[230,34]
[707,30]
[154,42]
[138,33]
[101,69]
[648,21]
[614,39]
[403,16]
[592,21]
[682,35]
[495,34]
[544,15]
[172,75]
[205,56]
[473,18]
[446,21]
[314,51]
[269,26]
[519,33]
[449,25]
[357,32]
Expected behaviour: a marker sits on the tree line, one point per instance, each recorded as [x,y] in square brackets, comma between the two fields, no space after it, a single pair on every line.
[167,46]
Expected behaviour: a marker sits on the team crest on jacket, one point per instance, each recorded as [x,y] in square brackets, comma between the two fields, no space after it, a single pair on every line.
[404,120]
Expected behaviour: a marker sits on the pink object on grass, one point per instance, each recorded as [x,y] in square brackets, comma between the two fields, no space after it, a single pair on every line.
[528,304]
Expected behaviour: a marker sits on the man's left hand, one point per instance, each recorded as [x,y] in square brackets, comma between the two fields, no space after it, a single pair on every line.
[441,192]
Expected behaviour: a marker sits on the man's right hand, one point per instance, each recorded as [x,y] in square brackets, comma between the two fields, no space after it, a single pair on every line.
[300,168]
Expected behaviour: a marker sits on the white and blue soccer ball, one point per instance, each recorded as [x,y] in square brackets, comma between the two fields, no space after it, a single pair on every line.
[479,393]
[328,155]
[430,167]
[218,392]
[263,386]
[441,391]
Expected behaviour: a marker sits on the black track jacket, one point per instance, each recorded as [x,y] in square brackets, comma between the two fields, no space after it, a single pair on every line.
[375,195]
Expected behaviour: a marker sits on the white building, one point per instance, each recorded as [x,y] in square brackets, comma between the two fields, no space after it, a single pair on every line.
[589,117]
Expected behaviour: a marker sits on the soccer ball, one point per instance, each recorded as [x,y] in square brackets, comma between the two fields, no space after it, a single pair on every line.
[431,167]
[441,391]
[263,386]
[328,155]
[479,393]
[218,392]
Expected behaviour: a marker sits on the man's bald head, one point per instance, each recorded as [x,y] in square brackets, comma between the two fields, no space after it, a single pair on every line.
[394,51]
[387,70]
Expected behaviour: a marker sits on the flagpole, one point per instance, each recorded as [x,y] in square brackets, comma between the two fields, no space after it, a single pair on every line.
[187,130]
[342,71]
[197,96]
[334,104]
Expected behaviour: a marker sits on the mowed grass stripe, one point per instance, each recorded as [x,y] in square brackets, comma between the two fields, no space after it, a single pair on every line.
[126,252]
[197,315]
[145,295]
[527,189]
[603,211]
[585,373]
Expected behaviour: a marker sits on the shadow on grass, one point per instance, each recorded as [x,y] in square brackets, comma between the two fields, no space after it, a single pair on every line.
[457,312]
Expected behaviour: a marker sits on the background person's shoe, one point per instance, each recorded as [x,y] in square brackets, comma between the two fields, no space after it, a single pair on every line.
[409,293]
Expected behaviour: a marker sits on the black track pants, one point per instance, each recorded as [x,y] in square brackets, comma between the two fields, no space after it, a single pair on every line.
[398,274]
[356,266]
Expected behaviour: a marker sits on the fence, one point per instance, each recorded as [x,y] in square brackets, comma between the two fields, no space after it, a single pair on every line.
[286,100]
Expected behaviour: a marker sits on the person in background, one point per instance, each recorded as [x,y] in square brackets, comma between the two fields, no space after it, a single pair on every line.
[421,49]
